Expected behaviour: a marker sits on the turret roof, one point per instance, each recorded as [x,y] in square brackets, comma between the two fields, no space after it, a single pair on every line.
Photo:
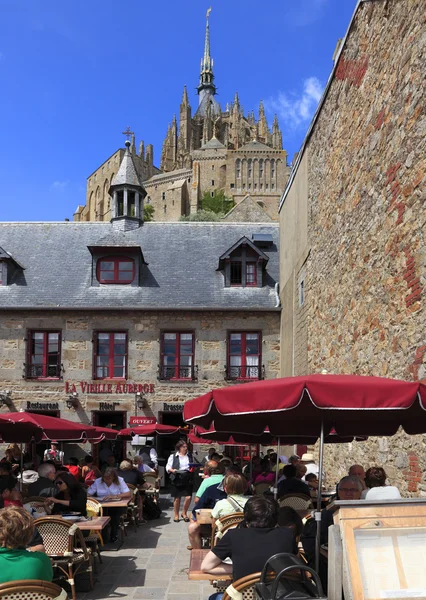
[126,174]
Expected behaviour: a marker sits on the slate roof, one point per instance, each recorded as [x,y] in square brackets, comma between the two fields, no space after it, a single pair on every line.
[255,145]
[126,174]
[214,143]
[180,272]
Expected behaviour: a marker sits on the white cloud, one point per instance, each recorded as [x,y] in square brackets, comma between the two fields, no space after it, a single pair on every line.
[59,185]
[296,109]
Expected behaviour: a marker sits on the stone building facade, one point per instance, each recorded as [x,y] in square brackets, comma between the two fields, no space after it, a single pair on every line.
[96,317]
[205,152]
[353,261]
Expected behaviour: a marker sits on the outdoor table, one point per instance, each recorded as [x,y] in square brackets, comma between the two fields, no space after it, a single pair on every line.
[94,524]
[195,572]
[115,503]
[204,516]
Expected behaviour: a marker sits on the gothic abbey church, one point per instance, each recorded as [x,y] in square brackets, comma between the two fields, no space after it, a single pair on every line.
[209,151]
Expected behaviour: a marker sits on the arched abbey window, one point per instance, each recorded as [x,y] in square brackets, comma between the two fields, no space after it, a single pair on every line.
[238,168]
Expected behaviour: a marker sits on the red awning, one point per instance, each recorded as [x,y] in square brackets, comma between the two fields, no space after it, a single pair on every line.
[147,430]
[53,428]
[295,406]
[19,432]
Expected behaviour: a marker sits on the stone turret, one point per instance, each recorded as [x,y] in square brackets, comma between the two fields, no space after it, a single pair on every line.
[262,126]
[277,137]
[184,139]
[127,194]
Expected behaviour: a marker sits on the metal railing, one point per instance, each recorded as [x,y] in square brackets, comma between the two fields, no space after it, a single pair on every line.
[178,372]
[244,372]
[42,371]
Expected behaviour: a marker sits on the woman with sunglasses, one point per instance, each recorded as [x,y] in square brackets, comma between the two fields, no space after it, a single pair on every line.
[71,496]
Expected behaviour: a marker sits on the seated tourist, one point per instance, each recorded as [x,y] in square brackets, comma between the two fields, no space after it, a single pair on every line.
[107,487]
[9,494]
[250,547]
[45,484]
[348,488]
[358,471]
[141,466]
[265,475]
[291,484]
[71,496]
[90,471]
[375,480]
[129,474]
[312,482]
[73,467]
[214,474]
[235,486]
[16,562]
[288,517]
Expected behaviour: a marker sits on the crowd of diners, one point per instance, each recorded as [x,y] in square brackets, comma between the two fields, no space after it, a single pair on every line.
[64,489]
[226,488]
[267,528]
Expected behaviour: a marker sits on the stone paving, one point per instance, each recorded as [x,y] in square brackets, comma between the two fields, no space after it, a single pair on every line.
[152,563]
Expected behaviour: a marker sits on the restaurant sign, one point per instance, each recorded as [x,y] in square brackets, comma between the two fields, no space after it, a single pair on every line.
[142,420]
[89,387]
[172,407]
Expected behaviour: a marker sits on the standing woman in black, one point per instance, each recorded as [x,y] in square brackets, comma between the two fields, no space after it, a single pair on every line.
[181,477]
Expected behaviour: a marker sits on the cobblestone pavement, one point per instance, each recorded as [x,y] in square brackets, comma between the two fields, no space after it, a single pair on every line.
[152,563]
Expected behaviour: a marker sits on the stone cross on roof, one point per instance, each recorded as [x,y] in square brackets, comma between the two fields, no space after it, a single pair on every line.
[128,133]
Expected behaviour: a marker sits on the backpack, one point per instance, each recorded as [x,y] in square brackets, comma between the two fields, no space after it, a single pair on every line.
[151,509]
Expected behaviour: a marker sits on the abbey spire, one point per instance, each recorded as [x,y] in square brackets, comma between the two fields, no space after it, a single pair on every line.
[206,88]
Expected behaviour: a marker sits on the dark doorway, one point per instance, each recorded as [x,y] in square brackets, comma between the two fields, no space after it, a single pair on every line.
[36,451]
[166,443]
[115,420]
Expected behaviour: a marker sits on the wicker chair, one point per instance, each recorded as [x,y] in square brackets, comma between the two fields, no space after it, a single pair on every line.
[261,487]
[94,539]
[222,525]
[153,479]
[36,503]
[31,589]
[132,515]
[244,586]
[65,545]
[296,501]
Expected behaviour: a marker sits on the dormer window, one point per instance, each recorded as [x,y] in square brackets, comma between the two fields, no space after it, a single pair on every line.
[243,265]
[115,270]
[2,273]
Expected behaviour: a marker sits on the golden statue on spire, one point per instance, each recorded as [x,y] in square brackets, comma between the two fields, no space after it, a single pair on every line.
[209,10]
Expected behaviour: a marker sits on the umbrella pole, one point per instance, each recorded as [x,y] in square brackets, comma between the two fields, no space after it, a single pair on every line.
[276,470]
[22,469]
[318,511]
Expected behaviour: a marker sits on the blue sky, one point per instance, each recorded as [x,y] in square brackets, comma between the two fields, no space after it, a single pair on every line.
[75,73]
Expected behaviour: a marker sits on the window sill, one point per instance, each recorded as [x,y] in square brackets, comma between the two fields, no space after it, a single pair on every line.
[178,380]
[43,378]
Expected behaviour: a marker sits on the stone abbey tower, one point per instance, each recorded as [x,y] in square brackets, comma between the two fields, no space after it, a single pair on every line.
[207,151]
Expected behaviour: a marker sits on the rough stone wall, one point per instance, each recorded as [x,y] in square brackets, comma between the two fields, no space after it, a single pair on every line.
[366,270]
[144,334]
[169,196]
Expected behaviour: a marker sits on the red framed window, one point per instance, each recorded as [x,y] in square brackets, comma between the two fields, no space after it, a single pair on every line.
[110,355]
[244,355]
[251,274]
[115,269]
[177,355]
[44,355]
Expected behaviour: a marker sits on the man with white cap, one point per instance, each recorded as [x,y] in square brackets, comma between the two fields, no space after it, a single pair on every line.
[309,462]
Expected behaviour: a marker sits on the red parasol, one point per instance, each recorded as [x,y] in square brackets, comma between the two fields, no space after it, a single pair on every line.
[53,428]
[352,405]
[147,430]
[17,431]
